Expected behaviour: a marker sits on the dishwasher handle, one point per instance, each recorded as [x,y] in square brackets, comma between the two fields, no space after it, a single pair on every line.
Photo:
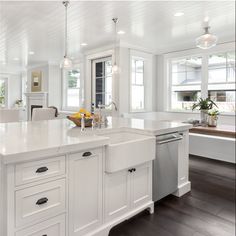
[170,140]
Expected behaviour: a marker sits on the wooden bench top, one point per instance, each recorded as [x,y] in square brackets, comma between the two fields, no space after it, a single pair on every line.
[220,130]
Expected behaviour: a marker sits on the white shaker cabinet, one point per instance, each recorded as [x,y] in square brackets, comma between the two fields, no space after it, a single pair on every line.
[141,185]
[85,191]
[127,190]
[117,194]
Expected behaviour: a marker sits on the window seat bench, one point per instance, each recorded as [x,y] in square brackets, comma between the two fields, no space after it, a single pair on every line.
[213,142]
[220,130]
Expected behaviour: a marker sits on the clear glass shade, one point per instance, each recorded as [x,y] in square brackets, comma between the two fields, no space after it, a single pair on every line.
[66,63]
[206,41]
[115,69]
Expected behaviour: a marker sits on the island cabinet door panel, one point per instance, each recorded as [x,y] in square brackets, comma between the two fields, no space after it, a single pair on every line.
[117,194]
[52,227]
[141,185]
[85,192]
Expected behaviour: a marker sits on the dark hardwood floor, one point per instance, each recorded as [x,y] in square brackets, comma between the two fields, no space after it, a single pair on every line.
[208,210]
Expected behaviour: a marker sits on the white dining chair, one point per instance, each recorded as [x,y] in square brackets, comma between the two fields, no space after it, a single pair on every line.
[9,115]
[43,114]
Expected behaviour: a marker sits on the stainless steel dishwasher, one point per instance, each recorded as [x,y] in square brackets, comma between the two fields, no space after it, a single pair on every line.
[165,167]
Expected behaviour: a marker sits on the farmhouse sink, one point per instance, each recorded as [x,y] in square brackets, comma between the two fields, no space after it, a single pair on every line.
[127,150]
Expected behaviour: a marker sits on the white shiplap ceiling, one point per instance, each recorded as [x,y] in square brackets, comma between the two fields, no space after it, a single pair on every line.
[39,26]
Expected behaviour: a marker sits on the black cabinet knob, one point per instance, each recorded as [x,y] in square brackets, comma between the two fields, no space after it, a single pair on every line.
[134,169]
[87,154]
[130,170]
[42,201]
[42,169]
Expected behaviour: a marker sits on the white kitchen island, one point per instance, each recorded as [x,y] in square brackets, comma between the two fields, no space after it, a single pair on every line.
[59,181]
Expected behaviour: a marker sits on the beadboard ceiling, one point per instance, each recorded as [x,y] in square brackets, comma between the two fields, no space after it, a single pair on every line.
[39,26]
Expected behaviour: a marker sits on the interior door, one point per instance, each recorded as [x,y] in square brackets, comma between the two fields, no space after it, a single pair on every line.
[102,81]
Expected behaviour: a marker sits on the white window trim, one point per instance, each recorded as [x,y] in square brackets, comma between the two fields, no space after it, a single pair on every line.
[131,84]
[148,80]
[222,48]
[65,89]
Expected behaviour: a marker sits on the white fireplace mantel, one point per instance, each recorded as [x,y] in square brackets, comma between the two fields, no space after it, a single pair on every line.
[36,94]
[35,99]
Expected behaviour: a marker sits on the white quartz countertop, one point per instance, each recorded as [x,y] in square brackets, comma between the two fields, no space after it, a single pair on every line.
[28,140]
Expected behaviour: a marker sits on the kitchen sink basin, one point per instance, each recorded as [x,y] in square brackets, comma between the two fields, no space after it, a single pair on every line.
[127,150]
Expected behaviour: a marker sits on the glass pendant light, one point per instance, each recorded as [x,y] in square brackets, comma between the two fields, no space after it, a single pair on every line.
[207,40]
[66,63]
[115,67]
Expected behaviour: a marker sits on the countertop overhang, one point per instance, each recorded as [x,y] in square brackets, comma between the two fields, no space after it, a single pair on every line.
[24,141]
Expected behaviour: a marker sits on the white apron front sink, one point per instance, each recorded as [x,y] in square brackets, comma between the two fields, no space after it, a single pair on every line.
[127,150]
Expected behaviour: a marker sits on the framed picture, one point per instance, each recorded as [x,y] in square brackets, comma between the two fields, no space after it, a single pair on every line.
[36,81]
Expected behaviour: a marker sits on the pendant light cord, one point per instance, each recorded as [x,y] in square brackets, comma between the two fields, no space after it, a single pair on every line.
[66,3]
[66,37]
[115,38]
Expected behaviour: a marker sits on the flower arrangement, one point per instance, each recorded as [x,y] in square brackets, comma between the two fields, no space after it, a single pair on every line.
[214,113]
[212,117]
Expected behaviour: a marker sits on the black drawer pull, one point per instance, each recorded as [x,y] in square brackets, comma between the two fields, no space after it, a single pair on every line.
[87,154]
[45,235]
[130,170]
[42,169]
[42,201]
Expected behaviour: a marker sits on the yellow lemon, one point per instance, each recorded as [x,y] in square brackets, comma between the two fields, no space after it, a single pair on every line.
[88,114]
[82,110]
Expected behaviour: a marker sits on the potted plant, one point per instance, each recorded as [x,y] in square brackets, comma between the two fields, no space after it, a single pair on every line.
[212,117]
[204,105]
[18,103]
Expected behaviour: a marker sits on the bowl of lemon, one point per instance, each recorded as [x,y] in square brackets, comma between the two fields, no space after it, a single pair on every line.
[76,118]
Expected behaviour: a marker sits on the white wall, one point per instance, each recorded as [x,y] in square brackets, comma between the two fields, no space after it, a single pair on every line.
[124,80]
[54,86]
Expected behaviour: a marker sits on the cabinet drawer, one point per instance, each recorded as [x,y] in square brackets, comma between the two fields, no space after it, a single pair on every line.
[39,202]
[38,170]
[52,227]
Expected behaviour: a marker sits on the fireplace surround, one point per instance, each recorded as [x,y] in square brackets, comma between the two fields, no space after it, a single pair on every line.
[35,100]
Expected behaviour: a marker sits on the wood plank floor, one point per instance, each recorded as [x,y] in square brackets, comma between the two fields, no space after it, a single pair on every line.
[209,210]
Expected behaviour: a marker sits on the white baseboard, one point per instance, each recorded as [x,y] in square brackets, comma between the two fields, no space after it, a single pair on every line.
[183,189]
